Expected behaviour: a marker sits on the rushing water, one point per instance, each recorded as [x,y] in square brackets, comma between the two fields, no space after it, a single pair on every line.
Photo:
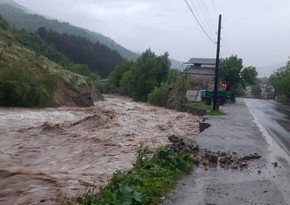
[56,153]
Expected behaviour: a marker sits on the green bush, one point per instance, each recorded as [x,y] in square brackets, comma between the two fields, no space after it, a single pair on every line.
[21,87]
[146,183]
[159,95]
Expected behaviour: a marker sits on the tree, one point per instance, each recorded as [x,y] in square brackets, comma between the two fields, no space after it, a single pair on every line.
[97,56]
[150,71]
[256,91]
[280,80]
[114,79]
[232,74]
[249,76]
[159,95]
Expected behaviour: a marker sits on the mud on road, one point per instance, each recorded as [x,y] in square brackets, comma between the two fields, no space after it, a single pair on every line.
[48,154]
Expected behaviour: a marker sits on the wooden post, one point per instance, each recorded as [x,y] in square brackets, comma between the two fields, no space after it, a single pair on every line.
[216,79]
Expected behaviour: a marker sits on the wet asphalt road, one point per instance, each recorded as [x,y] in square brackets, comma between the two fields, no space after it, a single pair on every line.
[274,117]
[241,132]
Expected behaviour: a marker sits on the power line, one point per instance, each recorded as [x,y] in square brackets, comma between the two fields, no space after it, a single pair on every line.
[199,22]
[206,19]
[214,7]
[203,18]
[225,45]
[208,14]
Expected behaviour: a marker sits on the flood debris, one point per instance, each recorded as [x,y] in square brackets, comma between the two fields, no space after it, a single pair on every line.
[224,159]
[180,144]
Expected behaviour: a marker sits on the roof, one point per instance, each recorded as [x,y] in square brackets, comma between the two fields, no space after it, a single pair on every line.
[207,61]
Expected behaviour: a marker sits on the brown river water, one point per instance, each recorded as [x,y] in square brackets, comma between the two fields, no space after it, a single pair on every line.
[48,155]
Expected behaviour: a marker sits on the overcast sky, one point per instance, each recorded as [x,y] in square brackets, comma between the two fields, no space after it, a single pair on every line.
[258,31]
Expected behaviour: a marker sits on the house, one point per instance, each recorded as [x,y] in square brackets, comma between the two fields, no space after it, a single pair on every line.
[200,72]
[268,92]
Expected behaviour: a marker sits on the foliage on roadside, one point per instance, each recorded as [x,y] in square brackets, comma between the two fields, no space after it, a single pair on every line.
[148,181]
[235,76]
[203,106]
[256,91]
[280,80]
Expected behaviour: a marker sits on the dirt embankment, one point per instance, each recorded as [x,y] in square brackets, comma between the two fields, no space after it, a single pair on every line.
[85,96]
[47,154]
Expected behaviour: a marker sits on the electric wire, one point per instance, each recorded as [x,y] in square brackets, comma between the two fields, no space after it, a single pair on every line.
[206,19]
[212,22]
[224,40]
[200,25]
[214,7]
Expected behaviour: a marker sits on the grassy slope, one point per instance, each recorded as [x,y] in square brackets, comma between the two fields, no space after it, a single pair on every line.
[14,56]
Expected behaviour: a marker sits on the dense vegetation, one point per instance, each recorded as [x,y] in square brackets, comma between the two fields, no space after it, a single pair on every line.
[146,183]
[26,78]
[80,50]
[235,76]
[20,87]
[21,84]
[149,79]
[21,19]
[280,80]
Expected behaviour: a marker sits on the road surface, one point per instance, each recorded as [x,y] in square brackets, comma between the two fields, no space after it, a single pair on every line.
[274,117]
[240,131]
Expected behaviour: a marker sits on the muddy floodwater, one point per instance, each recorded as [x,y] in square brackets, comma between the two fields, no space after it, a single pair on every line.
[50,154]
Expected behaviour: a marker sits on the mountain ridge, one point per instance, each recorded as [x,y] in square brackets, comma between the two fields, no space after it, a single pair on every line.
[23,18]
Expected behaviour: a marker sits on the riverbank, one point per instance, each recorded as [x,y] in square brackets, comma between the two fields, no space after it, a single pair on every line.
[260,182]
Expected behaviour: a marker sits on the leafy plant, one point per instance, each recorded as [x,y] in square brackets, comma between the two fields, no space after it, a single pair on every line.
[148,181]
[203,106]
[159,95]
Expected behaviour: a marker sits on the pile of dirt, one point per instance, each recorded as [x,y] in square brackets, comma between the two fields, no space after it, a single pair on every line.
[224,159]
[66,95]
[183,144]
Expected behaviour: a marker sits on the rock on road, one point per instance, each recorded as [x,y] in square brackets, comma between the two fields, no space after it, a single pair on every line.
[260,183]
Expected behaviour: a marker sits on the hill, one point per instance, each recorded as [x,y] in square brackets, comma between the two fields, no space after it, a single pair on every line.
[22,19]
[28,79]
[96,56]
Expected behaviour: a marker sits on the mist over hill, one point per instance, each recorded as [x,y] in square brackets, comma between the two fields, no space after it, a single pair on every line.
[23,18]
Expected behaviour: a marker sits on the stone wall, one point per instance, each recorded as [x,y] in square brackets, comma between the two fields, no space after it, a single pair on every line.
[201,81]
[283,99]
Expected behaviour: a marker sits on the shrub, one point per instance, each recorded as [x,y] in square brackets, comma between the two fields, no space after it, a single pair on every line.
[146,183]
[159,95]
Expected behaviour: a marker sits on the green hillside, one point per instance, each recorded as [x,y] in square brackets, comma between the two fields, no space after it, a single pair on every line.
[96,56]
[21,17]
[27,79]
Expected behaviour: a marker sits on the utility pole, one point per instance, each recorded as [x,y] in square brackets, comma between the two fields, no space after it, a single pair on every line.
[216,79]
